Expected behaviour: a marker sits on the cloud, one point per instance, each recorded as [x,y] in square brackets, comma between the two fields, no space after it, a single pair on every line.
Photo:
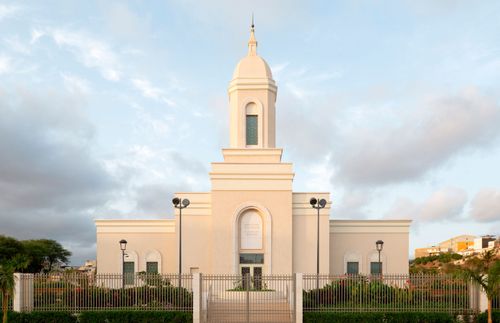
[429,137]
[16,45]
[7,10]
[353,204]
[485,206]
[91,52]
[149,91]
[446,204]
[75,84]
[36,34]
[50,183]
[5,64]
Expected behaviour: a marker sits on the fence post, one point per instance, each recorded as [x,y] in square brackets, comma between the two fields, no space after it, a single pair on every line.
[18,293]
[482,299]
[23,292]
[298,298]
[196,297]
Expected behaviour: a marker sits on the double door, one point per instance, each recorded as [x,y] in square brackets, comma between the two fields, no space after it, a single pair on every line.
[252,276]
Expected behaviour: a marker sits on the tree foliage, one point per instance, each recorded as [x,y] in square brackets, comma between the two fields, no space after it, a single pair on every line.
[484,270]
[443,258]
[32,255]
[45,254]
[7,269]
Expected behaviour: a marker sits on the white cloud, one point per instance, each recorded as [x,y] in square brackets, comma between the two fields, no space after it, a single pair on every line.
[485,206]
[7,10]
[429,137]
[446,204]
[15,44]
[353,204]
[75,84]
[36,34]
[150,91]
[91,52]
[5,64]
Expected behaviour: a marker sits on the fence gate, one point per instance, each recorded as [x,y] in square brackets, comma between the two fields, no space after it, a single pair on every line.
[258,298]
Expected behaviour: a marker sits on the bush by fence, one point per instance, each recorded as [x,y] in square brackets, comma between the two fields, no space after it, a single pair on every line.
[483,317]
[430,293]
[41,317]
[135,316]
[409,317]
[77,292]
[100,317]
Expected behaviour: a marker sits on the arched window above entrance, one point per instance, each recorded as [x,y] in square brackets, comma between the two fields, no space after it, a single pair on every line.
[251,230]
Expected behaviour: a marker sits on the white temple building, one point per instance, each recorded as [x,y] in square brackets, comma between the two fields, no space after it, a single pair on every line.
[251,220]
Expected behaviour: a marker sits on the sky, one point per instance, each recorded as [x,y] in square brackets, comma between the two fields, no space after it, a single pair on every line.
[109,107]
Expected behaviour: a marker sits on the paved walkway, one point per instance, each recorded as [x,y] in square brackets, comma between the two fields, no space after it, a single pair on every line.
[237,312]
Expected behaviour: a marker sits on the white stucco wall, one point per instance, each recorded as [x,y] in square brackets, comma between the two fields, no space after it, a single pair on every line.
[354,240]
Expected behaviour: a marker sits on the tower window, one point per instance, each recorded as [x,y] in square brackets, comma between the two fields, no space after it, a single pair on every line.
[252,128]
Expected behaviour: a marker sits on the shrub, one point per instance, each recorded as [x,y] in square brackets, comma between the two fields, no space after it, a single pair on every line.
[135,316]
[483,317]
[41,317]
[324,317]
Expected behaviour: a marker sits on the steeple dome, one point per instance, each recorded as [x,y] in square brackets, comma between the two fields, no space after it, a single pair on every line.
[252,66]
[252,98]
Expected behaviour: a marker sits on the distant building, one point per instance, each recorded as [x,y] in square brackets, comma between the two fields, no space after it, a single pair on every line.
[458,244]
[88,267]
[483,242]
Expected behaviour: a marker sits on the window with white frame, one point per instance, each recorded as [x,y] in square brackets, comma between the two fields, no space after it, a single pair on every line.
[153,261]
[352,267]
[251,124]
[152,267]
[352,263]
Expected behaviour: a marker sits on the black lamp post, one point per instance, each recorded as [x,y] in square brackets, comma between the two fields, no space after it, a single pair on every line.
[180,204]
[317,204]
[380,245]
[123,247]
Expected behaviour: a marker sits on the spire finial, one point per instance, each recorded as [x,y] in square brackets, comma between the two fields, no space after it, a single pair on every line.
[252,43]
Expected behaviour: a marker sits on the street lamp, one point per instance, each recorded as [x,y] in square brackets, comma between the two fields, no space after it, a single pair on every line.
[180,204]
[123,247]
[380,245]
[317,204]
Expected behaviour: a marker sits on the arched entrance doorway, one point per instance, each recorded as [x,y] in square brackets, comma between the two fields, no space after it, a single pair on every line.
[252,239]
[251,246]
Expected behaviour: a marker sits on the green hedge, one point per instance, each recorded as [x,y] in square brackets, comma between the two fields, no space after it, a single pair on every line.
[41,317]
[483,317]
[101,316]
[135,316]
[411,317]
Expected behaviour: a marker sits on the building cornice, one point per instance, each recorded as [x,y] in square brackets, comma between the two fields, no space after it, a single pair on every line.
[370,226]
[135,226]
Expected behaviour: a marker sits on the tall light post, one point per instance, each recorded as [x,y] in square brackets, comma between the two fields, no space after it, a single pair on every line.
[380,245]
[180,204]
[123,247]
[317,204]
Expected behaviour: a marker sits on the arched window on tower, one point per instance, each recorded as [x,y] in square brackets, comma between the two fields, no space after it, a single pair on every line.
[252,124]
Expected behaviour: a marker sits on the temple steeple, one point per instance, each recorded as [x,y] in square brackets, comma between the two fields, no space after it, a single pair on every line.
[252,97]
[252,43]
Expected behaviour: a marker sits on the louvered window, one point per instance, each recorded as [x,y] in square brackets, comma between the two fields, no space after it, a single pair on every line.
[252,130]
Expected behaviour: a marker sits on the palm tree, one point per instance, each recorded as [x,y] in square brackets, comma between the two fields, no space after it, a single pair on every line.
[485,271]
[7,282]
